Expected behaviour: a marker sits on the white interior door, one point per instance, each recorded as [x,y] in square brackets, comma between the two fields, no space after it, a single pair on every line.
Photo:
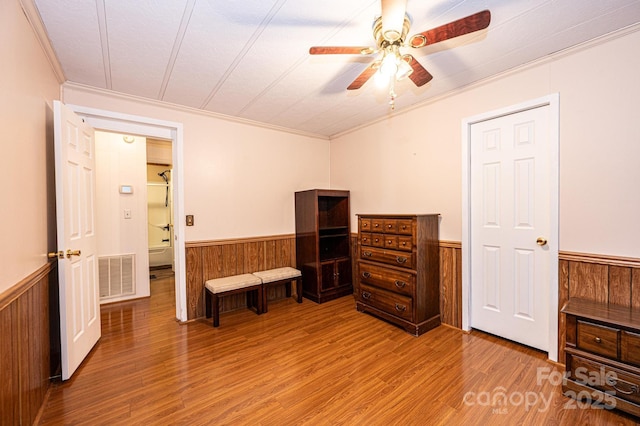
[77,265]
[510,221]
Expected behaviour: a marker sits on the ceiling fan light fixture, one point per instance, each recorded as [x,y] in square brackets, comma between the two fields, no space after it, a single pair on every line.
[404,70]
[389,66]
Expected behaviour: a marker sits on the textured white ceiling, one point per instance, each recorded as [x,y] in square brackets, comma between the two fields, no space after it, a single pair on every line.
[250,58]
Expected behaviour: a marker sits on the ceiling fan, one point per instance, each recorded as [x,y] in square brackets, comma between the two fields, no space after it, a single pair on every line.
[390,30]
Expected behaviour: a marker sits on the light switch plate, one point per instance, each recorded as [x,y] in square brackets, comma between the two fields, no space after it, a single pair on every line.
[189,220]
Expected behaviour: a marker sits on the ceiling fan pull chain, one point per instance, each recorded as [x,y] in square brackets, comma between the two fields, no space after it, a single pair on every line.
[392,94]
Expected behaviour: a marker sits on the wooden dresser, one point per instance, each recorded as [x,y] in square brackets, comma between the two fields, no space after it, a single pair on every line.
[398,270]
[603,354]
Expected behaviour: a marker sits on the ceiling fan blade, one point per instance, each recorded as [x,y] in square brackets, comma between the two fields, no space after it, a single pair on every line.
[364,76]
[420,76]
[475,22]
[393,13]
[341,50]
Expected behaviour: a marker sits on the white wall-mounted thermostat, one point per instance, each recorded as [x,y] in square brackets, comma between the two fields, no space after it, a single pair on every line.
[126,189]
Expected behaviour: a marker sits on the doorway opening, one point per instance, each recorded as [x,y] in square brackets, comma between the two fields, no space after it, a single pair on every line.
[160,210]
[115,122]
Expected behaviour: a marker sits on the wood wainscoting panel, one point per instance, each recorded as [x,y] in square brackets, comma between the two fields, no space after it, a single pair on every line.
[451,283]
[215,259]
[25,348]
[601,278]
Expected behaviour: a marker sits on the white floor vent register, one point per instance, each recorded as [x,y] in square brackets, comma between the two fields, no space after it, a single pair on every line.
[116,275]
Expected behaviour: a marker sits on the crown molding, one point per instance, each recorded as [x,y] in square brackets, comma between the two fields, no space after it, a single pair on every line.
[33,17]
[163,104]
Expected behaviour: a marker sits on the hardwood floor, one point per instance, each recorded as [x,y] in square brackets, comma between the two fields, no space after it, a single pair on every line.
[305,364]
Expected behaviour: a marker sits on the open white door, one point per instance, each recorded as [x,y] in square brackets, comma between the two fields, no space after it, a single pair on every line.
[77,265]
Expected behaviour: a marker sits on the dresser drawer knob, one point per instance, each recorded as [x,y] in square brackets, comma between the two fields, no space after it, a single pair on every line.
[401,259]
[389,226]
[366,253]
[598,340]
[376,225]
[366,295]
[400,284]
[389,241]
[400,308]
[366,275]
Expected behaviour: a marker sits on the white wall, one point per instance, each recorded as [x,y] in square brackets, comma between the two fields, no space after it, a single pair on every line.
[412,162]
[239,178]
[120,163]
[28,85]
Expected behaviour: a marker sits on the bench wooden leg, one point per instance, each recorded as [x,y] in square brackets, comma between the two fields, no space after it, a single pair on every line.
[263,296]
[215,306]
[299,289]
[207,303]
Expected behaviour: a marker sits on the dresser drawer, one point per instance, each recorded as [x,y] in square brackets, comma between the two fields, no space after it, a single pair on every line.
[391,257]
[392,303]
[391,226]
[391,241]
[405,226]
[365,225]
[387,278]
[365,238]
[405,242]
[630,347]
[597,339]
[377,225]
[377,240]
[614,381]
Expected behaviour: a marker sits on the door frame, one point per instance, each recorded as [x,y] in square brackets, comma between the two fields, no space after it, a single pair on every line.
[553,102]
[116,122]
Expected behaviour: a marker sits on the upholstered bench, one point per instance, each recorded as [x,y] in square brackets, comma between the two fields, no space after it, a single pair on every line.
[278,276]
[218,287]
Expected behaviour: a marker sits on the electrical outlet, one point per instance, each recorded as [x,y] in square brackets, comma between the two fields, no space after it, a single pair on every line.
[189,220]
[127,213]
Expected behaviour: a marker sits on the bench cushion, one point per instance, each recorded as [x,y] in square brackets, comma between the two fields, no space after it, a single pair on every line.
[234,282]
[277,274]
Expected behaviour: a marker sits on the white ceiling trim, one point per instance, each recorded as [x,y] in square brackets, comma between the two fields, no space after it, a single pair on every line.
[34,19]
[164,104]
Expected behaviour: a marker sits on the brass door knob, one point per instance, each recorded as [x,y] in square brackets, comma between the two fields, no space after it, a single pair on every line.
[58,254]
[73,253]
[541,241]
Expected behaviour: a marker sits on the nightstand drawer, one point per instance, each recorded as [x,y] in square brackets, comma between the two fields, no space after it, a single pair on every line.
[597,339]
[613,381]
[392,303]
[386,278]
[630,347]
